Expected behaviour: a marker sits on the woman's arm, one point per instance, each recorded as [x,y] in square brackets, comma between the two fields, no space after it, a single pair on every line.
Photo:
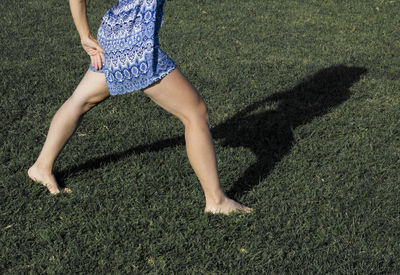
[89,44]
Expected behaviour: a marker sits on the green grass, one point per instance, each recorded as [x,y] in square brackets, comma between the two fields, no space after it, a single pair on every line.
[304,105]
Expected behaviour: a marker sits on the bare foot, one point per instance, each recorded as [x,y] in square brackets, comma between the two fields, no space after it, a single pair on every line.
[47,180]
[226,207]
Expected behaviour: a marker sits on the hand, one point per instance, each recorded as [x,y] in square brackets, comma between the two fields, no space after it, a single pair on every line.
[93,49]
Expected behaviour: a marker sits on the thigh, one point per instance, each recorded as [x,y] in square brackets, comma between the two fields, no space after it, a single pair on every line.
[176,94]
[92,88]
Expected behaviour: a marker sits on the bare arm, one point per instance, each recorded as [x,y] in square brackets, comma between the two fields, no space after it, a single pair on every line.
[89,44]
[78,11]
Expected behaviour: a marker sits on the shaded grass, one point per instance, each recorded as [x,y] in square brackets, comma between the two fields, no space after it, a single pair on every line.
[303,100]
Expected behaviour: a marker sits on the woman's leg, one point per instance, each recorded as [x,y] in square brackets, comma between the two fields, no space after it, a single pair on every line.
[176,95]
[91,90]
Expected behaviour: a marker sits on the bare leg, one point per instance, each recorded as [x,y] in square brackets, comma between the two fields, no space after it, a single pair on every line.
[176,95]
[91,90]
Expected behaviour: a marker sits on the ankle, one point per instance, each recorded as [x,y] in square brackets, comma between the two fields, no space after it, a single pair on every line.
[216,200]
[43,167]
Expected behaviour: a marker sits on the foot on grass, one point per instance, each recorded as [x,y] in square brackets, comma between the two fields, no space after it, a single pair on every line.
[46,179]
[228,206]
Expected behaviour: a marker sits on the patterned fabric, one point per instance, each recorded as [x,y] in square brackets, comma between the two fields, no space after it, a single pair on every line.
[128,35]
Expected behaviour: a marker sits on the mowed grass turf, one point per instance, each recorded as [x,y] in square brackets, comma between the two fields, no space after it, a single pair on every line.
[303,98]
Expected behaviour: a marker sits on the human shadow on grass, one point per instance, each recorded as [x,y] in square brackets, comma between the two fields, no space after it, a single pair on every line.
[267,133]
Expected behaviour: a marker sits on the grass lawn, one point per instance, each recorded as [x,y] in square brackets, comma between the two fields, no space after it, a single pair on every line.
[304,105]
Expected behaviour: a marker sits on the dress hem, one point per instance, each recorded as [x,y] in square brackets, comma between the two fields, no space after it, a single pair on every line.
[161,76]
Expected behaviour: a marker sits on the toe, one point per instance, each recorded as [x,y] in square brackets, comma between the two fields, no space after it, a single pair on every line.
[66,190]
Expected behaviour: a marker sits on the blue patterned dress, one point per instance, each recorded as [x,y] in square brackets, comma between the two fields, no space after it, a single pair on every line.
[128,35]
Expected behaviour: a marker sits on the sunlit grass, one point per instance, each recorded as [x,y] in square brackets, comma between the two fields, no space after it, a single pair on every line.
[304,106]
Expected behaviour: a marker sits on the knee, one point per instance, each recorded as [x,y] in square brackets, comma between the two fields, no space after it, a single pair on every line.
[82,105]
[204,114]
[199,116]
